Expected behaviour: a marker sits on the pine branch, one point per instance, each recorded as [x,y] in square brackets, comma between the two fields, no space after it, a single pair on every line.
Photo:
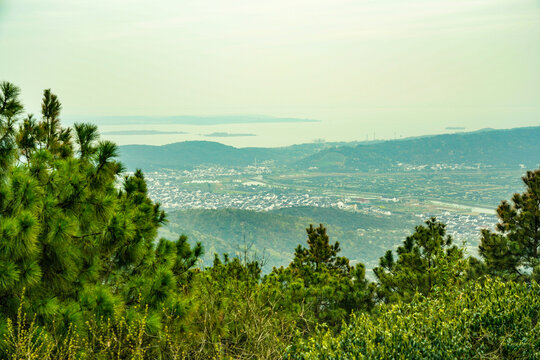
[87,235]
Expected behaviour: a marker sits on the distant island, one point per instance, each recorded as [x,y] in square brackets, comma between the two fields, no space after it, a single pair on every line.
[185,120]
[141,132]
[225,134]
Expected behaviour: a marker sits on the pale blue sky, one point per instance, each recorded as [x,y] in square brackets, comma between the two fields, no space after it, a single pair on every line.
[472,63]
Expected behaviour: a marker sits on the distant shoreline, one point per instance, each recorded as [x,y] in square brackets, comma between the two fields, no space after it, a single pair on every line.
[141,132]
[186,120]
[225,134]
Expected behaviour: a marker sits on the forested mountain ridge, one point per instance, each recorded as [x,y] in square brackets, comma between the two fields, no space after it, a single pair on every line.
[496,148]
[191,154]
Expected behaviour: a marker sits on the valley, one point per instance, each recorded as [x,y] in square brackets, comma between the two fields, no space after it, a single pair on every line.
[260,200]
[262,207]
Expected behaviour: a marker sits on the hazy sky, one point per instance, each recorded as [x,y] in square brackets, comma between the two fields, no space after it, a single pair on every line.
[337,61]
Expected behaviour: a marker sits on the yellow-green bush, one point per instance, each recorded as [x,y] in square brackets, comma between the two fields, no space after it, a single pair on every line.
[488,320]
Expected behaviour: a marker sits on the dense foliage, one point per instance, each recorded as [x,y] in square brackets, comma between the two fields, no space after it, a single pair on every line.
[238,316]
[514,249]
[319,285]
[84,276]
[487,320]
[426,259]
[75,238]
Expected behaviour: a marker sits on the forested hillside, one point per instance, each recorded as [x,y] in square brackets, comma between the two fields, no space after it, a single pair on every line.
[191,154]
[273,234]
[521,146]
[84,275]
[496,148]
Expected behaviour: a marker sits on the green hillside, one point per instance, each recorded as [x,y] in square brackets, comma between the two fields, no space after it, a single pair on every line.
[496,148]
[190,154]
[275,234]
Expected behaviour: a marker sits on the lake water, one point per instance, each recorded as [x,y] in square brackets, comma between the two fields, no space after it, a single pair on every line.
[352,125]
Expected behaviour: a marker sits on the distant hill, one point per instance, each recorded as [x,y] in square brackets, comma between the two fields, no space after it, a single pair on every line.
[497,148]
[190,154]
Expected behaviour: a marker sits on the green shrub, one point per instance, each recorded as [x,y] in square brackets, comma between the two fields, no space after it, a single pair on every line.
[488,320]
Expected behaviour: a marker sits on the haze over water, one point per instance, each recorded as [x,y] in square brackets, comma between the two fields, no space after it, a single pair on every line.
[365,69]
[365,124]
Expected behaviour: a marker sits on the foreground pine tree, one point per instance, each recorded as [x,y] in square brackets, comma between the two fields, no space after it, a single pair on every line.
[77,238]
[514,249]
[426,259]
[318,286]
